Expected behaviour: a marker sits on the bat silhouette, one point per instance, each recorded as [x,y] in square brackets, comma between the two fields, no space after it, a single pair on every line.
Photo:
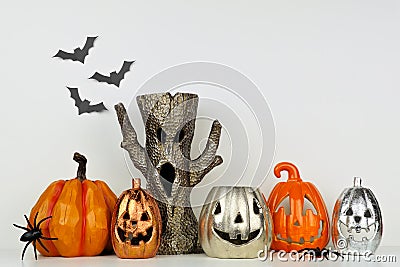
[84,106]
[79,54]
[114,78]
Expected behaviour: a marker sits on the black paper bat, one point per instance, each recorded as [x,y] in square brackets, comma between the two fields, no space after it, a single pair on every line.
[114,78]
[79,53]
[84,106]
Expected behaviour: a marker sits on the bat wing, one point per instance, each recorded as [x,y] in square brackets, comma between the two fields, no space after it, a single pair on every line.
[96,108]
[65,55]
[125,68]
[75,96]
[89,44]
[101,78]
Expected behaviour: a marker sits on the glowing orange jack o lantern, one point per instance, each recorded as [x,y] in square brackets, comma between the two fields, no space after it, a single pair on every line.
[303,222]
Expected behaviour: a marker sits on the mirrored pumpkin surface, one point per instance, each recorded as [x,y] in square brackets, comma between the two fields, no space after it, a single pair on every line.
[356,220]
[136,224]
[234,223]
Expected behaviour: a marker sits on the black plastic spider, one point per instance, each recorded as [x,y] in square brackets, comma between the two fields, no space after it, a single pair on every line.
[33,234]
[317,253]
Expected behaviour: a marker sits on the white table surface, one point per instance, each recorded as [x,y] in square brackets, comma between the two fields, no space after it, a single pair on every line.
[12,258]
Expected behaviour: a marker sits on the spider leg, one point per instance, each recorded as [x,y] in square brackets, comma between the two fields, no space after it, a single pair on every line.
[29,223]
[42,220]
[302,256]
[42,245]
[34,249]
[23,252]
[337,254]
[326,256]
[305,253]
[49,238]
[21,227]
[34,220]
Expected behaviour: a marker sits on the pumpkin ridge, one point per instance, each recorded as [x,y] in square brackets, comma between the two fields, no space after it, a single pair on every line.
[106,192]
[84,192]
[53,195]
[53,202]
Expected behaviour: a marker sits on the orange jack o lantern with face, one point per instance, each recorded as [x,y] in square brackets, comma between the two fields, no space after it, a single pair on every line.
[299,213]
[136,223]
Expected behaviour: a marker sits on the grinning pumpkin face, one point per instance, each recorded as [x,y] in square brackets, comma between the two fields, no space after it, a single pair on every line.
[137,224]
[357,220]
[298,211]
[235,223]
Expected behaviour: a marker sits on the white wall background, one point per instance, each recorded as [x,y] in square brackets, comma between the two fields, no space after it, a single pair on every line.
[329,70]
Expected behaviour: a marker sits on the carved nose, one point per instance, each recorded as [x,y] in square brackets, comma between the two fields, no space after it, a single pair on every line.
[357,219]
[238,218]
[168,149]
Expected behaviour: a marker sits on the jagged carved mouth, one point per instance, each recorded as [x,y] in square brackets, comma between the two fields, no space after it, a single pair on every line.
[302,240]
[238,240]
[134,241]
[358,233]
[167,173]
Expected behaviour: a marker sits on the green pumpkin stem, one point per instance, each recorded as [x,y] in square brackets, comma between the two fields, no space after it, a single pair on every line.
[81,159]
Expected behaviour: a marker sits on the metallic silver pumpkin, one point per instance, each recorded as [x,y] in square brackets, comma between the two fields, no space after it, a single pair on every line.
[235,222]
[356,220]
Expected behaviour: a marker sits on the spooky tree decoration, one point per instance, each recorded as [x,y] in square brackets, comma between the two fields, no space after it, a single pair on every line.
[356,220]
[235,222]
[166,164]
[299,213]
[136,223]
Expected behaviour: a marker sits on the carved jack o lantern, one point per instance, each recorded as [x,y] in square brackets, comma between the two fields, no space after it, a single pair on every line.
[136,222]
[356,220]
[234,223]
[299,213]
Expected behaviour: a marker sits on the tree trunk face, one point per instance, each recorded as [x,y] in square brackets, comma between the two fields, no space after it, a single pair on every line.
[169,125]
[166,164]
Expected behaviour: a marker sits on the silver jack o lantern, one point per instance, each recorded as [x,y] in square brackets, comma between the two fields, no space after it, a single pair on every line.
[356,220]
[235,222]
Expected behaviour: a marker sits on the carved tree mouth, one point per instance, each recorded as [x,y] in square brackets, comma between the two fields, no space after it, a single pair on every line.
[167,171]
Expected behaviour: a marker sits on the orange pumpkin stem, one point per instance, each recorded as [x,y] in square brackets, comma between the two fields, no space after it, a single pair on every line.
[293,172]
[81,159]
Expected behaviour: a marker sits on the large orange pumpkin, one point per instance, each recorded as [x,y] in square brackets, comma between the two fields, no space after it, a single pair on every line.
[300,226]
[81,215]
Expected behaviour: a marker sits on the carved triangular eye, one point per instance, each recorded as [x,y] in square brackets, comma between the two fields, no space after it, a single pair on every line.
[144,217]
[256,206]
[179,136]
[217,209]
[161,135]
[367,214]
[349,212]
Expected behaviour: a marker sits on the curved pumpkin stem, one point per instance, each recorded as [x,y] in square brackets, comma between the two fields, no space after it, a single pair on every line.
[293,172]
[135,183]
[81,159]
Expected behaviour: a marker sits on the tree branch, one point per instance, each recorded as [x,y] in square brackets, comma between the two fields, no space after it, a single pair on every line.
[207,160]
[129,139]
[196,177]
